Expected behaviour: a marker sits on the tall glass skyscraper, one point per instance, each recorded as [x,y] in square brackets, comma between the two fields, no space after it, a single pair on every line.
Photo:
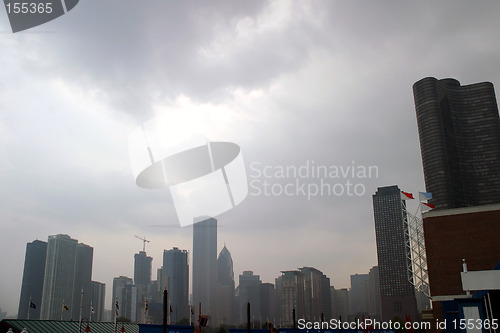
[205,267]
[59,277]
[225,288]
[396,291]
[32,285]
[459,131]
[176,268]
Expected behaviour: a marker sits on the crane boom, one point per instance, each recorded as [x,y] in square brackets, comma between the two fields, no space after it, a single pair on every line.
[144,240]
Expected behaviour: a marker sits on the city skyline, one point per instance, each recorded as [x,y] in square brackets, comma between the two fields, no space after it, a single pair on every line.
[290,82]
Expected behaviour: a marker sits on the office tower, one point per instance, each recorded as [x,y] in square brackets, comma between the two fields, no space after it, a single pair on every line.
[374,306]
[32,285]
[340,303]
[176,268]
[326,297]
[391,231]
[60,266]
[98,294]
[316,294]
[289,296]
[142,268]
[225,287]
[205,267]
[358,295]
[82,282]
[459,132]
[249,292]
[268,302]
[119,284]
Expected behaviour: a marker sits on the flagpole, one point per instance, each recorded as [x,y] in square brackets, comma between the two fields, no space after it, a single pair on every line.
[62,311]
[81,305]
[91,310]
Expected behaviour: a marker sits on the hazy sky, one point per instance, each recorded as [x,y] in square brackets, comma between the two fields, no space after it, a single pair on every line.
[327,83]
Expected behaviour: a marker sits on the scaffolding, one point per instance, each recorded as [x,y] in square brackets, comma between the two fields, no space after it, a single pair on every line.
[415,251]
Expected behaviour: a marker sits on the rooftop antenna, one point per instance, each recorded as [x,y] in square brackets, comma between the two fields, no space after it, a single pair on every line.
[144,240]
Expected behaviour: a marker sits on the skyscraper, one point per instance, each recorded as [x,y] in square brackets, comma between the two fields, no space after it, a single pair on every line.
[459,130]
[98,294]
[142,268]
[397,292]
[317,299]
[289,296]
[119,284]
[175,267]
[249,292]
[358,295]
[83,278]
[225,287]
[205,267]
[59,277]
[32,285]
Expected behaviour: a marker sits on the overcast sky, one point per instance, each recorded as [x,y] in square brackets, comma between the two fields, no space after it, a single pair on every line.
[291,82]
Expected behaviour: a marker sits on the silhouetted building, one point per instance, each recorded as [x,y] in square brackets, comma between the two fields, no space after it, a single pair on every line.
[82,282]
[60,267]
[340,303]
[97,301]
[32,285]
[374,303]
[119,284]
[289,296]
[225,288]
[176,268]
[391,230]
[142,268]
[249,292]
[459,130]
[316,302]
[267,302]
[358,295]
[205,267]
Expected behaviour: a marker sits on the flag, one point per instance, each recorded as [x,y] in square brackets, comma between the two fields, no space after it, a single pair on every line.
[425,196]
[92,309]
[431,206]
[116,305]
[171,308]
[65,307]
[32,305]
[192,310]
[147,307]
[406,196]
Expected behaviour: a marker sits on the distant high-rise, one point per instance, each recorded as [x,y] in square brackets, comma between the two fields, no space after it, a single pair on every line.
[83,278]
[374,305]
[98,294]
[317,299]
[397,292]
[249,292]
[32,285]
[268,302]
[289,296]
[225,287]
[60,266]
[175,267]
[459,131]
[358,295]
[119,284]
[205,267]
[340,303]
[142,268]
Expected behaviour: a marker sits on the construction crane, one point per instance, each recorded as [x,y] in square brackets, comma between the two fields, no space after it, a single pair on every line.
[144,240]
